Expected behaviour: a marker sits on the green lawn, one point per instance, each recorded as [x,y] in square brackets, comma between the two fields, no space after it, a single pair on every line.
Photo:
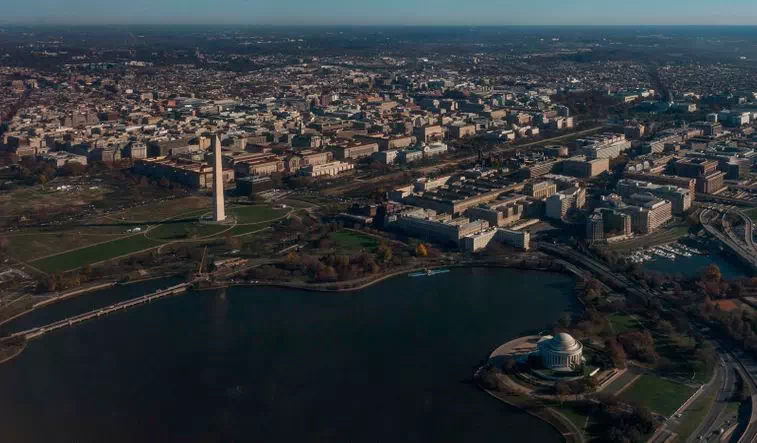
[184,230]
[573,414]
[353,241]
[660,395]
[623,323]
[93,254]
[184,226]
[256,214]
[246,229]
[694,415]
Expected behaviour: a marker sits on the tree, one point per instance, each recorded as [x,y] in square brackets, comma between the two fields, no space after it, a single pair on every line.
[617,354]
[384,253]
[72,168]
[421,250]
[565,320]
[256,198]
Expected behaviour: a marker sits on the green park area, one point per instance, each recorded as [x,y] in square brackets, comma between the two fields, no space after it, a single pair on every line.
[353,241]
[658,394]
[695,414]
[93,254]
[114,235]
[256,214]
[623,323]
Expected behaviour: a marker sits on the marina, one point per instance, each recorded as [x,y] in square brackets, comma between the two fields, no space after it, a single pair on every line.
[668,252]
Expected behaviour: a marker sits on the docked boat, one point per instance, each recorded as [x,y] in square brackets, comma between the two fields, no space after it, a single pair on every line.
[661,253]
[428,272]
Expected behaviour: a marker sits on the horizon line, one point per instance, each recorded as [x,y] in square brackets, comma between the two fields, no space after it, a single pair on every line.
[374,25]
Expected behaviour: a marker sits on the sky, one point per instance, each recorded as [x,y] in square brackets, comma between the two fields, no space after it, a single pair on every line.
[383,12]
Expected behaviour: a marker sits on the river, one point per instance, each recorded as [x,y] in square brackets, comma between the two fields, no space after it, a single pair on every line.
[392,362]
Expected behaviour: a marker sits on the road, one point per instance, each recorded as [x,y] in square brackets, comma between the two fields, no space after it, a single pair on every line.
[748,256]
[737,358]
[725,384]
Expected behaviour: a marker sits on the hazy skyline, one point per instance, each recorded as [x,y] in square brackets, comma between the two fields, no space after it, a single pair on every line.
[386,12]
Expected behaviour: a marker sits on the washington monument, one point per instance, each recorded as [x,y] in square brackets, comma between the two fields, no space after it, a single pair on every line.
[218,211]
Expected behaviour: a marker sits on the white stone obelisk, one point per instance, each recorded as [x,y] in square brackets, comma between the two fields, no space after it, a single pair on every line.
[219,214]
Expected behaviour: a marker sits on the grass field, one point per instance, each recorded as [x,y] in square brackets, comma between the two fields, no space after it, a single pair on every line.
[694,415]
[573,414]
[353,241]
[623,323]
[184,230]
[246,229]
[256,214]
[660,395]
[106,237]
[162,210]
[26,200]
[36,244]
[93,254]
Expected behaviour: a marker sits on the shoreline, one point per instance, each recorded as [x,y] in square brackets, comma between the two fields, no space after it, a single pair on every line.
[563,268]
[360,284]
[15,354]
[569,432]
[75,293]
[328,287]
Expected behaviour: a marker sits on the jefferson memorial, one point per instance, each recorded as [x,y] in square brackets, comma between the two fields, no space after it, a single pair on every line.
[561,352]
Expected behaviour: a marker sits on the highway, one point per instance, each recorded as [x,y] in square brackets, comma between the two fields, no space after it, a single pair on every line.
[735,359]
[748,255]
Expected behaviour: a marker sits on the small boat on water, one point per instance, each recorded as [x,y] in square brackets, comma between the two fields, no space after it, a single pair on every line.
[428,272]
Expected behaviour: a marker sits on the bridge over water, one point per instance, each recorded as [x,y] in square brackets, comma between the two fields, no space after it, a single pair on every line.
[120,306]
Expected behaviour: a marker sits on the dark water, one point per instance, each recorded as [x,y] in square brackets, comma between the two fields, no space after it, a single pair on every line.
[84,303]
[694,265]
[390,363]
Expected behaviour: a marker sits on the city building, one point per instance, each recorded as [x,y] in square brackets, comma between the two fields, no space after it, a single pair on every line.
[462,130]
[424,134]
[442,228]
[253,183]
[679,182]
[582,168]
[355,151]
[694,167]
[480,240]
[712,183]
[60,158]
[605,145]
[595,230]
[327,169]
[499,213]
[540,190]
[647,212]
[386,142]
[559,204]
[190,173]
[679,198]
